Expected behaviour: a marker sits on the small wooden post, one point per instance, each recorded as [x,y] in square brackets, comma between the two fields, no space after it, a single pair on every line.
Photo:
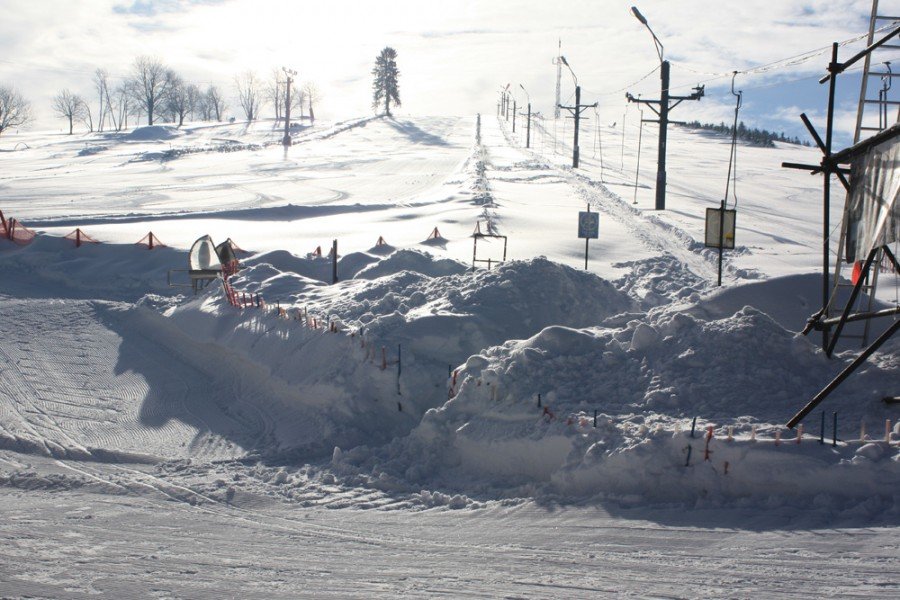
[334,258]
[834,431]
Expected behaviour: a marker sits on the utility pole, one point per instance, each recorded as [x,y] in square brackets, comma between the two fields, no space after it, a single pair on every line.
[514,115]
[576,111]
[528,123]
[662,111]
[287,109]
[528,129]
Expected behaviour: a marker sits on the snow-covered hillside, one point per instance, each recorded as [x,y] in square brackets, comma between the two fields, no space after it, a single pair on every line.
[538,428]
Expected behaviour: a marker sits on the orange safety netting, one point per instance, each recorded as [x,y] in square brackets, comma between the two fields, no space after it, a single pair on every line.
[231,267]
[151,241]
[80,237]
[18,233]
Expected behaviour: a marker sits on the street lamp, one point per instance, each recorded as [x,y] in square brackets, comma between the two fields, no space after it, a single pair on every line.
[287,109]
[661,108]
[576,111]
[528,129]
[637,15]
[565,62]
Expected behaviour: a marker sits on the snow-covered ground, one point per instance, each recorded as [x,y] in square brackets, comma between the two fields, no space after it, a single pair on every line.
[518,431]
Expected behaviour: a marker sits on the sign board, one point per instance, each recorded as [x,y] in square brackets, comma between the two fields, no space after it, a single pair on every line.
[588,225]
[712,228]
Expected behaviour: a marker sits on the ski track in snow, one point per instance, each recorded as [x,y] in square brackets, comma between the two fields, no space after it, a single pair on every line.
[653,233]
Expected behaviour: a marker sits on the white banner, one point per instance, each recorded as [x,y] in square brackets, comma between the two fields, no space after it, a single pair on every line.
[874,212]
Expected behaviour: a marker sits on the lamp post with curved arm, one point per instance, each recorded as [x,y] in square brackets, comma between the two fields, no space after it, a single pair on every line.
[662,111]
[576,111]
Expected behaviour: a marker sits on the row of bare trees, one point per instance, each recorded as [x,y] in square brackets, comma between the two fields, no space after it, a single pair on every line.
[253,94]
[153,90]
[159,93]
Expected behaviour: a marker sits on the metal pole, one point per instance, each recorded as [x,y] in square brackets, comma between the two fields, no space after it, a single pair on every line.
[514,116]
[663,124]
[334,257]
[844,374]
[577,114]
[637,169]
[528,130]
[586,240]
[721,238]
[833,68]
[287,114]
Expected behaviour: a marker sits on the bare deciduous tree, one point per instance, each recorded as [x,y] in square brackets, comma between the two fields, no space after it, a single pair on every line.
[70,106]
[312,96]
[105,110]
[193,100]
[150,84]
[275,93]
[249,89]
[177,99]
[215,103]
[123,106]
[15,110]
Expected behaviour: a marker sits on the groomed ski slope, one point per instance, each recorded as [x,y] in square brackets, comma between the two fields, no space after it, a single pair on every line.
[191,448]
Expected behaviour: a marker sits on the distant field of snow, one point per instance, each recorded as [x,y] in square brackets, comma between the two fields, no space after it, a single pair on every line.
[524,430]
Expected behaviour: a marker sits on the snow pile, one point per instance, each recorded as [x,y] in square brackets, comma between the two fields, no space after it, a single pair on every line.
[152,133]
[53,267]
[348,384]
[523,414]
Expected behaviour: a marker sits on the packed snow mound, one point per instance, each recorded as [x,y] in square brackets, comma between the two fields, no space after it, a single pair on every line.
[351,380]
[52,267]
[153,133]
[522,413]
[660,280]
[515,300]
[674,364]
[412,260]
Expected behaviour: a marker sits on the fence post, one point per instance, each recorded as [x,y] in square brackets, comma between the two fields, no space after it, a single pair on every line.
[834,431]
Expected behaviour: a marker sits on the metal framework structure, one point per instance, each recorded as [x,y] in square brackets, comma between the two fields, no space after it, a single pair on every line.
[479,235]
[832,165]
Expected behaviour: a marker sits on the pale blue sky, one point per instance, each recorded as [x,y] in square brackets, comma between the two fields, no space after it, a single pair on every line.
[453,55]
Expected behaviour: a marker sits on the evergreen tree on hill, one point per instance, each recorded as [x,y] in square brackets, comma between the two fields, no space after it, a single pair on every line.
[385,87]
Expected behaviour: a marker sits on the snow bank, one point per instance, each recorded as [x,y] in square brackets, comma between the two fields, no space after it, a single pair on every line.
[152,133]
[523,414]
[52,267]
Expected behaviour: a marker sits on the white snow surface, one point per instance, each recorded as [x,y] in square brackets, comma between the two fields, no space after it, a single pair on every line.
[518,431]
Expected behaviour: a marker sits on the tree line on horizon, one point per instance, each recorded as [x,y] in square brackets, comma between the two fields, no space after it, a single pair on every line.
[752,135]
[157,93]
